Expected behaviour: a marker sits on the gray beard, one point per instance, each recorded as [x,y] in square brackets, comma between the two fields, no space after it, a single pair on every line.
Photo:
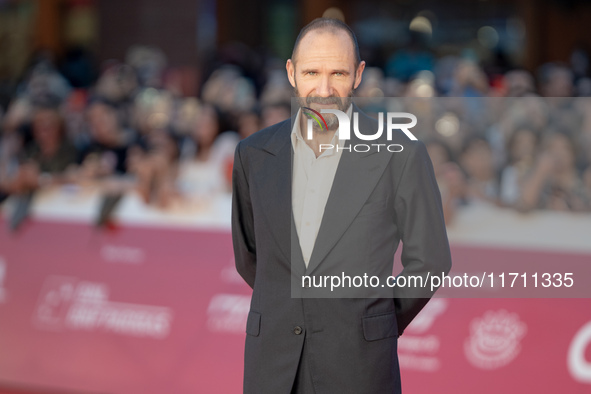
[332,121]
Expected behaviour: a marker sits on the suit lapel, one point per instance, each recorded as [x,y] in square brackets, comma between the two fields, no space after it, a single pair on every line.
[358,172]
[274,177]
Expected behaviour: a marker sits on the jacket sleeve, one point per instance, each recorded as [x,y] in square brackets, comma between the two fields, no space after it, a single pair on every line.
[425,248]
[242,221]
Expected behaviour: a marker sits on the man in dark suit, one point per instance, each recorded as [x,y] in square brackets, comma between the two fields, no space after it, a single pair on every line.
[300,210]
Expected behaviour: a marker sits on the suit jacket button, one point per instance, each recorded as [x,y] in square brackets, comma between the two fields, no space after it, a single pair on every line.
[297,330]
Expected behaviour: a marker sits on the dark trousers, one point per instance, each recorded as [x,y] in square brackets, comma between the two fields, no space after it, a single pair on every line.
[303,380]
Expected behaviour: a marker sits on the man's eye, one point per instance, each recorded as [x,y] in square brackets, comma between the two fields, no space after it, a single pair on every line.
[312,73]
[339,74]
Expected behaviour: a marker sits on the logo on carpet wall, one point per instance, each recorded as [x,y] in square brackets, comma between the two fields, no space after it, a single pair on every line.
[418,349]
[2,279]
[424,320]
[228,313]
[67,303]
[495,339]
[578,364]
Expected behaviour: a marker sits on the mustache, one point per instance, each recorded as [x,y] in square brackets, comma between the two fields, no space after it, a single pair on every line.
[324,100]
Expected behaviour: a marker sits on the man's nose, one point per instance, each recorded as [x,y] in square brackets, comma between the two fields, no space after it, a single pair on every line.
[324,88]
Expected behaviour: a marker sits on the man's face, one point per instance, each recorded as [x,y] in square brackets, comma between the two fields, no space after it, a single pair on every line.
[323,73]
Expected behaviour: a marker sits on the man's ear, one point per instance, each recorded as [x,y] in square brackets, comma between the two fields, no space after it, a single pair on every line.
[290,67]
[359,73]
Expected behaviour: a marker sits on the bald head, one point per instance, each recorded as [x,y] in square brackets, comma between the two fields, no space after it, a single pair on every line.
[328,25]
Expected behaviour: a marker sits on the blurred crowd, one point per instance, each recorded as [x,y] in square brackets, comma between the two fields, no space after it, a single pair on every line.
[512,139]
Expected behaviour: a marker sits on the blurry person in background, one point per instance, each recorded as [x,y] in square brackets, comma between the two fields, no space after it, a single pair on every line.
[373,84]
[443,71]
[583,137]
[249,122]
[277,88]
[554,182]
[229,91]
[476,160]
[450,178]
[154,110]
[50,158]
[51,149]
[555,80]
[583,87]
[521,147]
[275,113]
[579,62]
[11,142]
[117,86]
[44,85]
[74,113]
[530,111]
[519,83]
[107,151]
[155,167]
[469,80]
[148,64]
[587,181]
[203,175]
[421,85]
[183,118]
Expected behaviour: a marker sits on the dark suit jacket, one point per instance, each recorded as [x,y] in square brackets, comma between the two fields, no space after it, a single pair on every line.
[376,201]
